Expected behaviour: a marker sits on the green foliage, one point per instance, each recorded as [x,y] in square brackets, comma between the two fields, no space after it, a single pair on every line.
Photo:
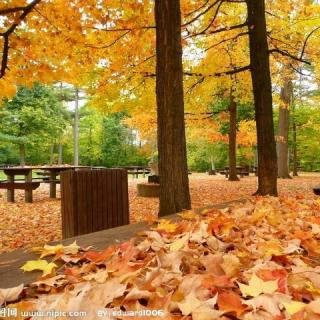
[34,117]
[201,153]
[307,119]
[245,111]
[8,154]
[119,147]
[90,140]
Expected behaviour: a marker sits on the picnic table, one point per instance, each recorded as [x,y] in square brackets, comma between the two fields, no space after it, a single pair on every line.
[10,263]
[28,183]
[242,171]
[136,170]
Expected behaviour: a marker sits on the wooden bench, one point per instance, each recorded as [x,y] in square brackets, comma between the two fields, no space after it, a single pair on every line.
[50,181]
[43,175]
[10,262]
[137,172]
[22,185]
[19,185]
[242,171]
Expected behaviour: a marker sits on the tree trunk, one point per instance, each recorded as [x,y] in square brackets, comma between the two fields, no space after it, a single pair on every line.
[76,130]
[295,157]
[261,82]
[173,170]
[60,153]
[51,153]
[213,167]
[22,152]
[283,134]
[233,140]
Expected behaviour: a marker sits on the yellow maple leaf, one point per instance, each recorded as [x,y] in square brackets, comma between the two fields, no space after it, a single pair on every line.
[166,225]
[257,286]
[72,248]
[293,307]
[39,264]
[48,250]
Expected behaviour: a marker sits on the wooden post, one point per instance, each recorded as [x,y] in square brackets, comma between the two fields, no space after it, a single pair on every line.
[28,190]
[10,192]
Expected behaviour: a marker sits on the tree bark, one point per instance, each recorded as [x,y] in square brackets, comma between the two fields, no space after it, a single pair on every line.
[295,156]
[76,130]
[283,133]
[60,153]
[173,170]
[22,152]
[233,140]
[261,82]
[51,153]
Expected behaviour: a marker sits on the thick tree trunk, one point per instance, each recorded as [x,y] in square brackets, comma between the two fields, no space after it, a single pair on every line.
[22,152]
[173,170]
[261,82]
[233,140]
[76,130]
[283,133]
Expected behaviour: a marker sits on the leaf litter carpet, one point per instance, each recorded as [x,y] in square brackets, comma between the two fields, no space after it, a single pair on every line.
[25,225]
[254,261]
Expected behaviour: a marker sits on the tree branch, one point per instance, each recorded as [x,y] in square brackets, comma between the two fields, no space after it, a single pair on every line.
[213,19]
[204,12]
[226,40]
[197,74]
[110,44]
[298,71]
[306,40]
[238,26]
[201,7]
[123,29]
[10,10]
[219,74]
[144,61]
[287,54]
[195,84]
[5,51]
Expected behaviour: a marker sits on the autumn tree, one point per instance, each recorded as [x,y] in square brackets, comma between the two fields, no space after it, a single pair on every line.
[12,15]
[173,170]
[261,82]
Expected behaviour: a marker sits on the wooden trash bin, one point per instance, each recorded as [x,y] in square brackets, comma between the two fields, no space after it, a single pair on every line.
[93,200]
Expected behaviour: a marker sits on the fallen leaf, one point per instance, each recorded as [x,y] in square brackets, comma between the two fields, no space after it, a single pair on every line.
[231,302]
[10,294]
[257,286]
[42,265]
